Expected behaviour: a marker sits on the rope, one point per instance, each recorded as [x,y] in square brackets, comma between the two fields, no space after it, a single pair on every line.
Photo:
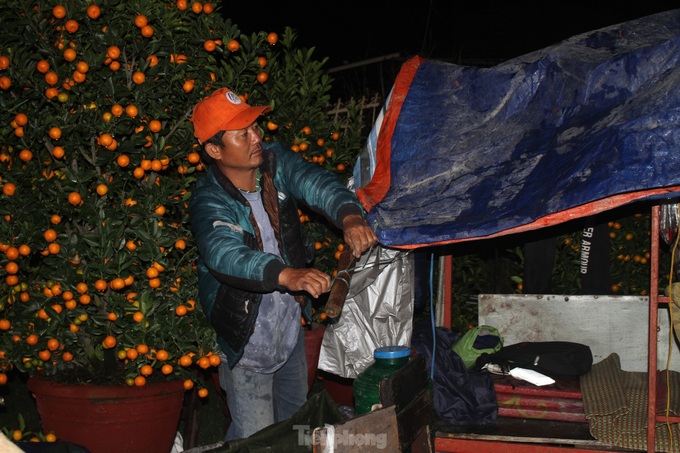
[345,275]
[670,337]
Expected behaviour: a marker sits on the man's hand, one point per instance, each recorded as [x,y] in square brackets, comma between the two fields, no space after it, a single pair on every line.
[311,280]
[358,235]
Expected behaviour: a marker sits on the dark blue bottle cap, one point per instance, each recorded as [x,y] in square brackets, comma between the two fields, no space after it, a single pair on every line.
[392,352]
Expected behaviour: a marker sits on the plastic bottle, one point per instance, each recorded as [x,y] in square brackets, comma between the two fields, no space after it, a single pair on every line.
[388,359]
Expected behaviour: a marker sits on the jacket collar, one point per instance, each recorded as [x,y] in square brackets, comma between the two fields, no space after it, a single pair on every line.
[268,166]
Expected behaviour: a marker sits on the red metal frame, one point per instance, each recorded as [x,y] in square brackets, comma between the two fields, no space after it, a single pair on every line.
[653,323]
[446,445]
[460,445]
[448,290]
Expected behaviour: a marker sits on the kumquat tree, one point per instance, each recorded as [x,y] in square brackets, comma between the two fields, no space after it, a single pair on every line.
[97,161]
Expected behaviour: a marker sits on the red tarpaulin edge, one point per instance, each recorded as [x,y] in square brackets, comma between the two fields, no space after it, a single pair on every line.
[377,188]
[576,212]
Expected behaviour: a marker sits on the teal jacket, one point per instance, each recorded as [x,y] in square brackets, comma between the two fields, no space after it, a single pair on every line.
[233,271]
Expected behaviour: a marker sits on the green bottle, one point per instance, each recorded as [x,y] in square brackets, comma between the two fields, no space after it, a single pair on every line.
[388,359]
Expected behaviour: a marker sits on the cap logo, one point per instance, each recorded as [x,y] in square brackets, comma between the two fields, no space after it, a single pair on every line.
[233,98]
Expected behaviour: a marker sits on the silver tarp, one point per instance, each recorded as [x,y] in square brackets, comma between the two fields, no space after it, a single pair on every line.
[378,311]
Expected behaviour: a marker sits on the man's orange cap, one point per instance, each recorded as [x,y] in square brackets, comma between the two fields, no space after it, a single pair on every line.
[223,110]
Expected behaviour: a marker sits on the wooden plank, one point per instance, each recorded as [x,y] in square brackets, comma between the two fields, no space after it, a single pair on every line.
[414,419]
[374,431]
[522,439]
[521,436]
[422,443]
[409,391]
[456,445]
[514,427]
[540,414]
[403,386]
[561,389]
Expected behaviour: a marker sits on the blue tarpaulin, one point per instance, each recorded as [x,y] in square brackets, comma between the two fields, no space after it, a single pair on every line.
[571,130]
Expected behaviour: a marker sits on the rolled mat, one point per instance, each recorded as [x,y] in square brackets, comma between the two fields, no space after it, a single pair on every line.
[615,404]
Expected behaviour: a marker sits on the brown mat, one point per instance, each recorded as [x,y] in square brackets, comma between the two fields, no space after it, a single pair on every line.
[615,403]
[675,307]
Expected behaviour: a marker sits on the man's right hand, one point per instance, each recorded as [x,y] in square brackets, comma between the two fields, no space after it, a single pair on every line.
[311,280]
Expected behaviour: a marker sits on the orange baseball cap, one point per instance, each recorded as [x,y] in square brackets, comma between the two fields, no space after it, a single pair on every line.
[223,110]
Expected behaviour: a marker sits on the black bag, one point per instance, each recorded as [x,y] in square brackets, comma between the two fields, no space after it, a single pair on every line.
[557,359]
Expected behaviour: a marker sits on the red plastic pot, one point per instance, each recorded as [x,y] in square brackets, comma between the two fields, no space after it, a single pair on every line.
[313,339]
[110,419]
[339,388]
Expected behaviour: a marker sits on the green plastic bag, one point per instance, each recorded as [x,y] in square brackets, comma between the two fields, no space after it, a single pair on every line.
[477,341]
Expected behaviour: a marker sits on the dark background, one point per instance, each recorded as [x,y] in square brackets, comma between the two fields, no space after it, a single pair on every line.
[472,33]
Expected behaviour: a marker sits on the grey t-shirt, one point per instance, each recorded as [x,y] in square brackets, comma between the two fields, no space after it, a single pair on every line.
[278,322]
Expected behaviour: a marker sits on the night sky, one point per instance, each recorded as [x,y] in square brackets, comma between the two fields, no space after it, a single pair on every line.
[470,33]
[443,29]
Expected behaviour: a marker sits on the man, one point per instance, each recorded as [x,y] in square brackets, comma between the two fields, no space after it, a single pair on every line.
[252,272]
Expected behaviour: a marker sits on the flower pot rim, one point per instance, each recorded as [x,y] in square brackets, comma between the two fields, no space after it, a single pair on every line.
[45,384]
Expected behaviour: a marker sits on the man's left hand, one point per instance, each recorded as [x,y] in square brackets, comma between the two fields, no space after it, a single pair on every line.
[358,235]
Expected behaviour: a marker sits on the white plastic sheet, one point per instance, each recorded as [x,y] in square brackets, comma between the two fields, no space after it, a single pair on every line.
[378,311]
